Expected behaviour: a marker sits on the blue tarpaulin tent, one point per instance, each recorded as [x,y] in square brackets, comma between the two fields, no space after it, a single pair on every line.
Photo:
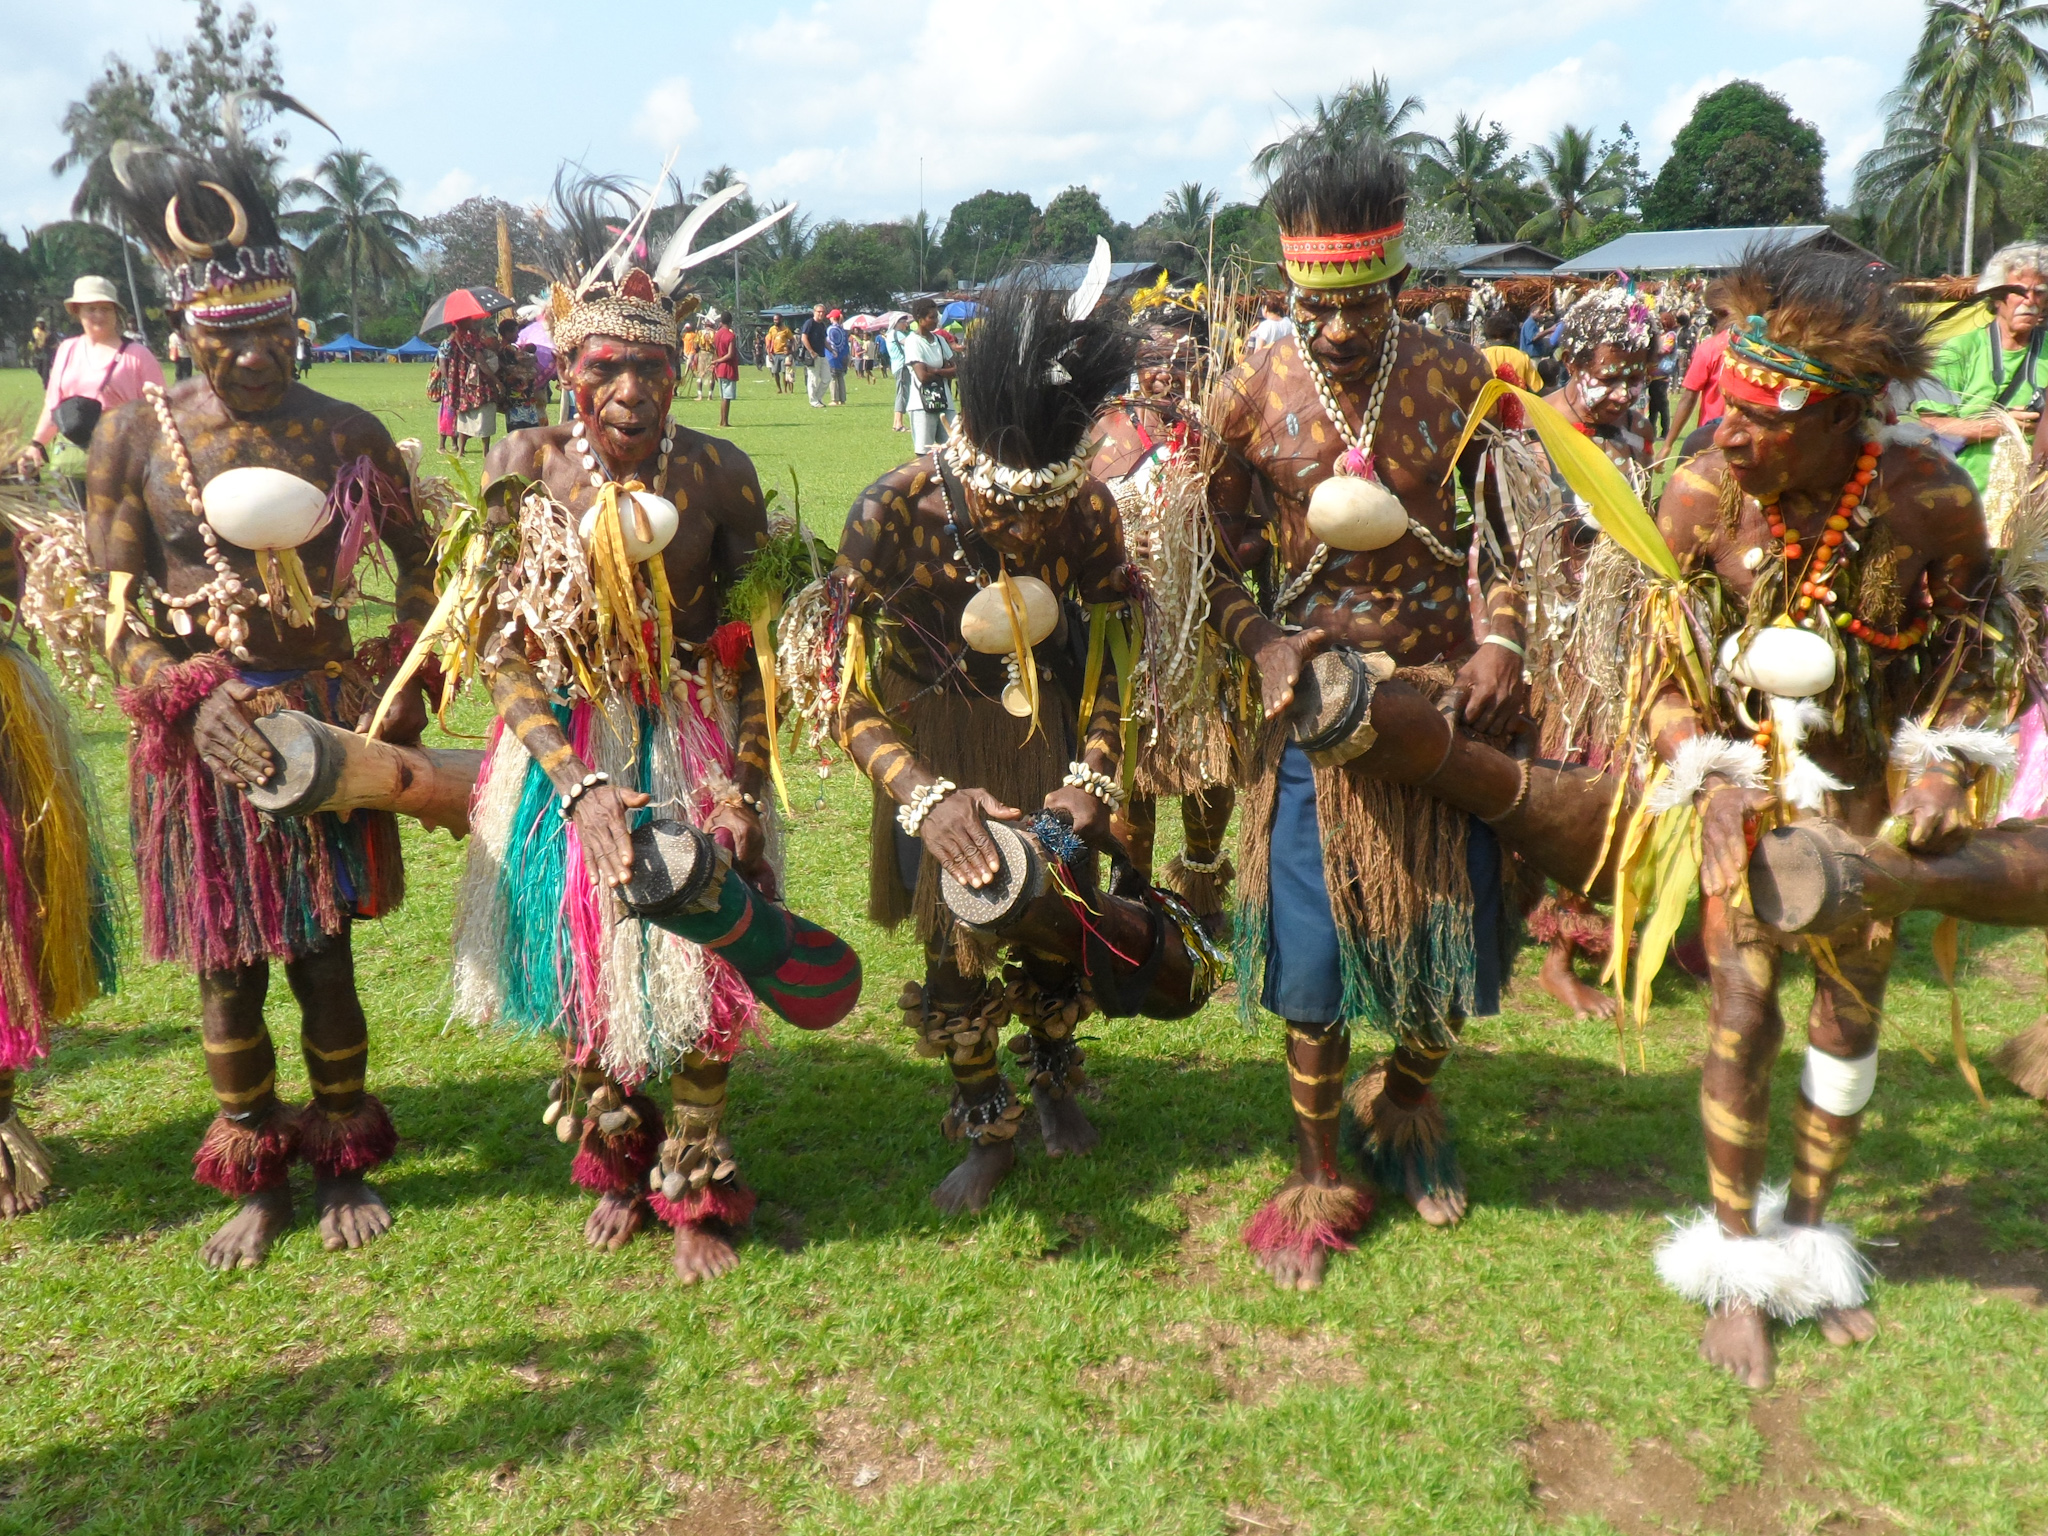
[347,347]
[414,350]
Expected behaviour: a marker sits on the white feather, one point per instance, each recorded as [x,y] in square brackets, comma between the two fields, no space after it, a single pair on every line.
[1806,783]
[1790,1272]
[670,266]
[620,256]
[1093,286]
[1699,756]
[1917,748]
[730,242]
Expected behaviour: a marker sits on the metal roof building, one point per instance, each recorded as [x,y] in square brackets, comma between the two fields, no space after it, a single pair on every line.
[1701,250]
[1514,258]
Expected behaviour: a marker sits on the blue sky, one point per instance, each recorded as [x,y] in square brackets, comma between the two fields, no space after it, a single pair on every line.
[836,103]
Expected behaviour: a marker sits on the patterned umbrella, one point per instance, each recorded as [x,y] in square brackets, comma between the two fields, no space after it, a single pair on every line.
[472,303]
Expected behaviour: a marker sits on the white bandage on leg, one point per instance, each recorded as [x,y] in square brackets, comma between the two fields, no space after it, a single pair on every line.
[1839,1087]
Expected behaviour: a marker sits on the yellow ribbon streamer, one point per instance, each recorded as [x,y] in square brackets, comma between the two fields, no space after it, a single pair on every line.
[1586,469]
[765,615]
[1947,947]
[1027,666]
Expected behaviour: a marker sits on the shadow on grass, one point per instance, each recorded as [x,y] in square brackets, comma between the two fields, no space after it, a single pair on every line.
[366,1439]
[840,1138]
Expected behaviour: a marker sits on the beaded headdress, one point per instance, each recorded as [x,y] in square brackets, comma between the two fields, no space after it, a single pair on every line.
[1340,216]
[209,219]
[1611,317]
[601,286]
[1763,372]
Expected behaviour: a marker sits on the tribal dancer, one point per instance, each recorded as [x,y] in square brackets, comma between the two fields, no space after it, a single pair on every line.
[1361,901]
[1834,564]
[1608,349]
[57,938]
[230,513]
[1189,752]
[617,540]
[954,567]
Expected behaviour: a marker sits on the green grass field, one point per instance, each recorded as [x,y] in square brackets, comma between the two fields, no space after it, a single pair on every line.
[1095,1354]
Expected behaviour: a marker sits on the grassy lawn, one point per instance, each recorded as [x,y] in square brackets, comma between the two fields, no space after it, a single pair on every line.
[1095,1354]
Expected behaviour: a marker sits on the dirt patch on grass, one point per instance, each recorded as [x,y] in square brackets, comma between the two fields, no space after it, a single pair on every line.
[861,1450]
[1948,1242]
[1256,1365]
[1575,1472]
[1260,1518]
[1209,1233]
[1597,1190]
[724,1509]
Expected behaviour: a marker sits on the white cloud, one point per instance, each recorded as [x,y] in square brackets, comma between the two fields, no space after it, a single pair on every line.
[447,192]
[667,116]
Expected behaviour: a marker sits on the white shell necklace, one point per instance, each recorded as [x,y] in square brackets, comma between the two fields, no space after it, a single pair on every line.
[1357,458]
[600,472]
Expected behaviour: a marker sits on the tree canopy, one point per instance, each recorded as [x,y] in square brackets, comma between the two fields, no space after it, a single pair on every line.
[986,233]
[1067,229]
[1775,178]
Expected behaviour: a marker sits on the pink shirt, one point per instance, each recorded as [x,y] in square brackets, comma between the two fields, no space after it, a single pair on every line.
[80,365]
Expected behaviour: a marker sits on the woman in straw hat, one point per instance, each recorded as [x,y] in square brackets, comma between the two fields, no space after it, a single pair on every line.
[102,366]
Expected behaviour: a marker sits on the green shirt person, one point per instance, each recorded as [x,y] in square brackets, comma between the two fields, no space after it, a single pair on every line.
[2001,366]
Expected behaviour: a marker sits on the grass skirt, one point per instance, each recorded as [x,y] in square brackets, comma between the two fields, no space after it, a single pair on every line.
[538,944]
[57,905]
[1416,945]
[223,885]
[977,744]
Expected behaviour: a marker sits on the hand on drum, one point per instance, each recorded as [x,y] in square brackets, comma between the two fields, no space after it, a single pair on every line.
[739,828]
[1724,834]
[404,721]
[1280,661]
[1494,690]
[953,832]
[605,832]
[225,733]
[1936,808]
[1088,814]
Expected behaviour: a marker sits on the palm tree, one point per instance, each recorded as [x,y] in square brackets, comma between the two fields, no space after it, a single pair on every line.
[1184,220]
[1473,175]
[1577,186]
[354,225]
[1916,184]
[1974,73]
[1358,114]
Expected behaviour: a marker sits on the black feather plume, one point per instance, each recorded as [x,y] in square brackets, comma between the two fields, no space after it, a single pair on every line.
[1031,380]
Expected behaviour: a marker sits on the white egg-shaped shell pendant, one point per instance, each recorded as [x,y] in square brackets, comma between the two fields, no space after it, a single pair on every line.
[1784,661]
[661,525]
[258,508]
[1356,513]
[985,625]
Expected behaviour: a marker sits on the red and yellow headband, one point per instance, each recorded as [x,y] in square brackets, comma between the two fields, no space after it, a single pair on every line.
[1342,261]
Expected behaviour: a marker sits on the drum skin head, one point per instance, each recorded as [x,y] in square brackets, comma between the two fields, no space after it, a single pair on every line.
[1003,899]
[309,767]
[672,863]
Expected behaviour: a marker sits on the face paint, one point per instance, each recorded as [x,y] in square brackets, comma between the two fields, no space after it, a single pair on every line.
[249,367]
[1346,328]
[624,390]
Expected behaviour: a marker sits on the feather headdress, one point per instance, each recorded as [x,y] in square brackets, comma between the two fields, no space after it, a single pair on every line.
[1033,376]
[604,283]
[210,218]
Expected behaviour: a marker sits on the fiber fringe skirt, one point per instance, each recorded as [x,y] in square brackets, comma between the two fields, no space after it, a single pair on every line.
[57,903]
[540,946]
[224,885]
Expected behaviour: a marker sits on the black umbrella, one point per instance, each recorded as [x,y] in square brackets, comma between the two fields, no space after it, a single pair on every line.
[472,303]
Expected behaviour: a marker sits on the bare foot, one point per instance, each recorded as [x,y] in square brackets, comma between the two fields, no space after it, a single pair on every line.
[702,1252]
[351,1213]
[1559,979]
[1439,1207]
[1738,1339]
[617,1217]
[13,1203]
[1845,1326]
[968,1187]
[1293,1270]
[1066,1127]
[244,1240]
